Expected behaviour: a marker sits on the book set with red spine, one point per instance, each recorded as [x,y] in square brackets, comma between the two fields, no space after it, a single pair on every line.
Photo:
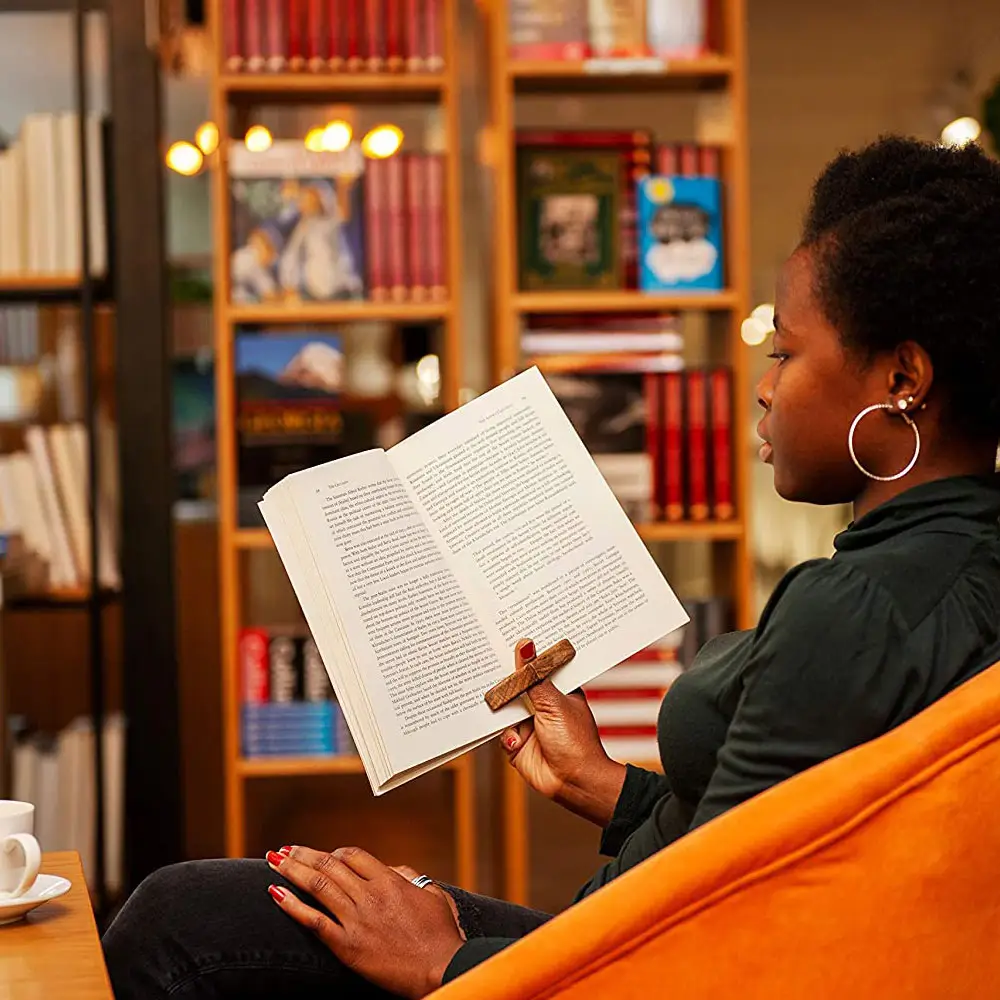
[329,36]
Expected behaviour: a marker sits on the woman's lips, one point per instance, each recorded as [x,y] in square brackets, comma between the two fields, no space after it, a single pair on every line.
[766,452]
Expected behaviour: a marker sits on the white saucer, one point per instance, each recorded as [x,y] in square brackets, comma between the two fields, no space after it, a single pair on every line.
[46,887]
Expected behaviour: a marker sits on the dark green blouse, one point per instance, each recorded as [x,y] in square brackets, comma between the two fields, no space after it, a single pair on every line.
[846,649]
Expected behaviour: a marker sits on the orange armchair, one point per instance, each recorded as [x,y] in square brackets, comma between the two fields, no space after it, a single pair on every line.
[874,876]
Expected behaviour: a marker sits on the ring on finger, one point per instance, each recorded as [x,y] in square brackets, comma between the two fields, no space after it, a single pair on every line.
[422,881]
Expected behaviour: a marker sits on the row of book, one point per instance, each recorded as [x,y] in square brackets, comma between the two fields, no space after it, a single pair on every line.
[332,36]
[44,501]
[323,226]
[626,699]
[592,213]
[661,438]
[41,195]
[607,29]
[288,707]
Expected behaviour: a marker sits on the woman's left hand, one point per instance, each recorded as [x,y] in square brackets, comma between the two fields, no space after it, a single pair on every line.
[386,929]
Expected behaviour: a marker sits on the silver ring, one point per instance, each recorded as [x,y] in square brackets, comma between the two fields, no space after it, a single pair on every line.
[909,423]
[422,881]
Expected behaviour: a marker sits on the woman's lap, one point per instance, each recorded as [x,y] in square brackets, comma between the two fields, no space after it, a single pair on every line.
[208,929]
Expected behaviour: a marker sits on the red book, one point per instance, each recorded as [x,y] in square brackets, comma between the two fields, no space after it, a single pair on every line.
[623,694]
[315,40]
[721,423]
[296,29]
[654,438]
[416,204]
[255,687]
[394,34]
[673,446]
[375,229]
[374,25]
[413,46]
[232,48]
[276,47]
[352,42]
[666,161]
[697,442]
[688,160]
[396,212]
[433,44]
[434,166]
[709,161]
[627,730]
[253,27]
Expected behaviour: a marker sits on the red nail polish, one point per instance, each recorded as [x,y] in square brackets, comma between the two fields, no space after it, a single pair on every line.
[528,650]
[286,850]
[273,858]
[511,742]
[277,894]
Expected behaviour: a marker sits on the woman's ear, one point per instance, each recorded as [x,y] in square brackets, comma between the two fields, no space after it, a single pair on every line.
[911,375]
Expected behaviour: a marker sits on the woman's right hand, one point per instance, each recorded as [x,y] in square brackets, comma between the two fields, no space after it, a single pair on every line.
[559,752]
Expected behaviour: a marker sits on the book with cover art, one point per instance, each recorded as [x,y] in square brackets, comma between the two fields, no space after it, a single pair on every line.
[298,224]
[569,213]
[288,410]
[543,29]
[418,569]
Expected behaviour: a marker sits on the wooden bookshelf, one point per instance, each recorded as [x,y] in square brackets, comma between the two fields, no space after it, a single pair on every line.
[231,94]
[725,74]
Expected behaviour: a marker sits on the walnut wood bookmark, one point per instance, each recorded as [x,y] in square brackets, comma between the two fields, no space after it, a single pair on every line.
[517,683]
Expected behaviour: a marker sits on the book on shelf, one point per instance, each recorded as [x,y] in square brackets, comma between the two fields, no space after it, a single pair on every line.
[41,197]
[420,567]
[603,333]
[330,36]
[607,29]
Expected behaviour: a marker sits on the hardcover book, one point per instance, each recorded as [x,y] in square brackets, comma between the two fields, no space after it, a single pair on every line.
[298,224]
[543,29]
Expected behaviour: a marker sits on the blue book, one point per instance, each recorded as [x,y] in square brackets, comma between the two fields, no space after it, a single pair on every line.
[680,234]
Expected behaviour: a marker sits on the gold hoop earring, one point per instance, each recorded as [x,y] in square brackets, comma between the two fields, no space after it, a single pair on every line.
[916,434]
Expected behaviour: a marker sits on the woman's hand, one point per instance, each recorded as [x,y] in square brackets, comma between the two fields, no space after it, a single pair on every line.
[386,929]
[559,752]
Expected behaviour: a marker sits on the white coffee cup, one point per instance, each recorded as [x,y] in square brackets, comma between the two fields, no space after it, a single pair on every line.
[20,855]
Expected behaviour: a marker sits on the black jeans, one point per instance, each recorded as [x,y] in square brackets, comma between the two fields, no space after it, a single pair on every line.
[208,929]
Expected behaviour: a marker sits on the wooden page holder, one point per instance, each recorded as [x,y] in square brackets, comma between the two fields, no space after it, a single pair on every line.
[518,683]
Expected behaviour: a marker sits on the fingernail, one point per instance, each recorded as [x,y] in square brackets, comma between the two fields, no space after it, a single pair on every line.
[510,742]
[286,850]
[277,894]
[528,650]
[273,858]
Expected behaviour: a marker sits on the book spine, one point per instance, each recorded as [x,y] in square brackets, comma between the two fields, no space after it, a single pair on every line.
[666,161]
[720,420]
[708,161]
[255,688]
[434,166]
[396,211]
[374,231]
[697,435]
[415,200]
[296,24]
[285,668]
[635,166]
[374,26]
[433,43]
[316,683]
[276,45]
[617,28]
[673,446]
[688,160]
[394,35]
[232,44]
[654,439]
[254,36]
[321,49]
[352,42]
[412,45]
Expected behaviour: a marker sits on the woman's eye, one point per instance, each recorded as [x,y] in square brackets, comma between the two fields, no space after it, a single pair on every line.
[778,356]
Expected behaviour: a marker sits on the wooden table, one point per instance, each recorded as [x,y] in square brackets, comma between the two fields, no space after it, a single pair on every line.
[55,951]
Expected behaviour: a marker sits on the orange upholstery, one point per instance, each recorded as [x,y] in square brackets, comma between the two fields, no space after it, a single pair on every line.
[874,876]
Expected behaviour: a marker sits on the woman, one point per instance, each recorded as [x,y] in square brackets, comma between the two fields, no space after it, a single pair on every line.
[885,391]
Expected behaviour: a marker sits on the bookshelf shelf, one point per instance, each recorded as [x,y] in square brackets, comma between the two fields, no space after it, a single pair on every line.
[252,538]
[691,531]
[299,87]
[585,301]
[287,767]
[621,74]
[47,287]
[339,312]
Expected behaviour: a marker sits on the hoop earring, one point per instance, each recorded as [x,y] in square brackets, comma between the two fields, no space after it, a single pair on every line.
[909,422]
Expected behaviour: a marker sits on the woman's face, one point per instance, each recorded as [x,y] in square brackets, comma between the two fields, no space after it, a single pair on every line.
[811,394]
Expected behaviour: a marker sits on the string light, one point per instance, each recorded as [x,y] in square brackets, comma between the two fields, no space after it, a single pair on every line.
[961,131]
[257,139]
[185,158]
[337,136]
[382,141]
[755,328]
[206,137]
[314,140]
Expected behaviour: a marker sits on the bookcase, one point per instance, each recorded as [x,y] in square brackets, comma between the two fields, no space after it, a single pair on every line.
[712,89]
[255,783]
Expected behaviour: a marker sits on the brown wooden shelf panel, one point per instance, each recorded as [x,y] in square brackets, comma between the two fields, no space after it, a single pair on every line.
[585,301]
[633,75]
[252,538]
[339,312]
[285,87]
[284,767]
[690,531]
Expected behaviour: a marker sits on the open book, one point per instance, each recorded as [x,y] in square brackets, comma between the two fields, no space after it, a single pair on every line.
[419,568]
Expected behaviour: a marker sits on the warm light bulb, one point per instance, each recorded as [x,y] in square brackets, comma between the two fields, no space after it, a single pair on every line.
[314,140]
[382,141]
[185,158]
[961,131]
[257,139]
[765,313]
[206,137]
[337,136]
[753,331]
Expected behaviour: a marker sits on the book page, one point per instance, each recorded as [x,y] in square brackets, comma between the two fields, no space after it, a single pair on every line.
[540,543]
